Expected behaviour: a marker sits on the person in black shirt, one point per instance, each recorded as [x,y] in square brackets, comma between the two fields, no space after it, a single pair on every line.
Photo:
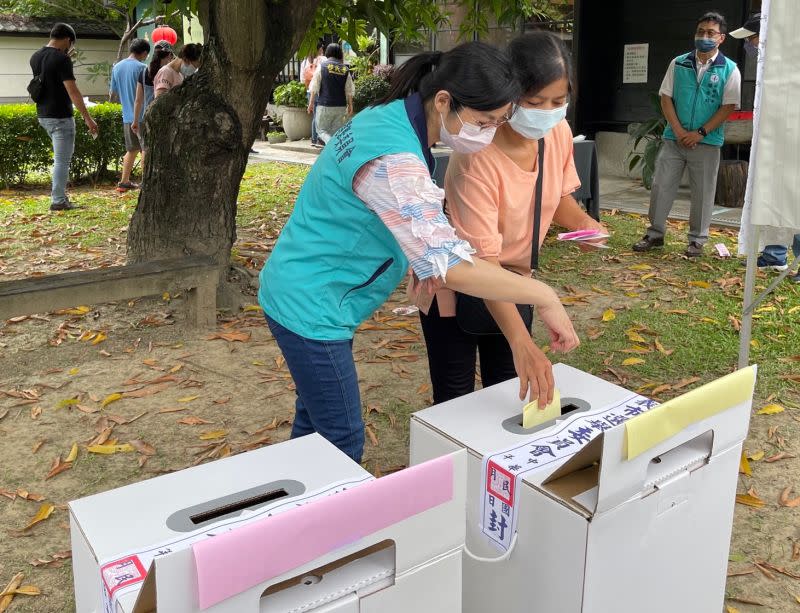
[54,107]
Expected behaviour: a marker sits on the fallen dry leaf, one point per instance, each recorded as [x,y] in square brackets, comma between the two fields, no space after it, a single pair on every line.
[779,456]
[192,420]
[172,409]
[632,361]
[142,447]
[663,349]
[57,467]
[103,437]
[111,398]
[188,398]
[110,449]
[28,495]
[146,391]
[15,582]
[684,382]
[634,336]
[609,315]
[750,500]
[45,510]
[224,400]
[701,284]
[214,434]
[785,501]
[779,569]
[53,560]
[770,409]
[371,434]
[231,337]
[73,453]
[744,466]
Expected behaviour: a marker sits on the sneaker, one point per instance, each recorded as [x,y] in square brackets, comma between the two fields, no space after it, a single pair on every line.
[124,187]
[63,206]
[767,264]
[647,243]
[694,250]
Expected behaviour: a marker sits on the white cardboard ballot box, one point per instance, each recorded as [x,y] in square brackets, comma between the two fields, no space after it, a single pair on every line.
[610,527]
[296,526]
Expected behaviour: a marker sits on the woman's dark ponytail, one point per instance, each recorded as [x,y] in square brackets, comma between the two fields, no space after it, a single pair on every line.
[155,64]
[405,80]
[475,74]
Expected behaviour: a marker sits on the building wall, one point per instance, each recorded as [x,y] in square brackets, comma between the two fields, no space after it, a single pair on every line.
[602,29]
[15,70]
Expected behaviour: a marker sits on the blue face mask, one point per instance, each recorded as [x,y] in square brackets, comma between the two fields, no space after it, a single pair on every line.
[535,123]
[705,45]
[750,48]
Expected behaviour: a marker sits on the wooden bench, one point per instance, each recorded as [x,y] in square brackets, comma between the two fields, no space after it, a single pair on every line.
[197,275]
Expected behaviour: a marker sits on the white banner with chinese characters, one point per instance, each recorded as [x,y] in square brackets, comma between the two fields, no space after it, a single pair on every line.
[503,470]
[126,573]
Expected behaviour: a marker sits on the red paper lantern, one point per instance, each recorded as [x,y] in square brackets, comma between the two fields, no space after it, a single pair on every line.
[165,33]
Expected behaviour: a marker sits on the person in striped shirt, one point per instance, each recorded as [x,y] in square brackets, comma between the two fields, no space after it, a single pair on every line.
[367,212]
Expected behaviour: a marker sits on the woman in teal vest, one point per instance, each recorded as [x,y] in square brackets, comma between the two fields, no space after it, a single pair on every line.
[368,211]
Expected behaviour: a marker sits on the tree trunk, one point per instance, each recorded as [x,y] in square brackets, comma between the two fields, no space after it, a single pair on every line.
[199,134]
[731,183]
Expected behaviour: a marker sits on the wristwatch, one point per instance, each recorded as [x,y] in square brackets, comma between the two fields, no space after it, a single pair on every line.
[702,131]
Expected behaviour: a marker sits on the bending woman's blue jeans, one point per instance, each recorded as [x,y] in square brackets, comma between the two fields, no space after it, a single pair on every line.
[62,133]
[328,400]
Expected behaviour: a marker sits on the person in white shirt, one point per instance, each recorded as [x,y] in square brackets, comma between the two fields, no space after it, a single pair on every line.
[699,91]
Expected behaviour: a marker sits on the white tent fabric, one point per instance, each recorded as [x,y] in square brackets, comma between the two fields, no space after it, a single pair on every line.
[771,214]
[772,199]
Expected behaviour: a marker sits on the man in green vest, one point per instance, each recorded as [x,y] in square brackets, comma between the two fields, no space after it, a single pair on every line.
[699,91]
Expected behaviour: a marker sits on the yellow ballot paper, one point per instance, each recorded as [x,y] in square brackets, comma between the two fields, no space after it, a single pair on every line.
[532,416]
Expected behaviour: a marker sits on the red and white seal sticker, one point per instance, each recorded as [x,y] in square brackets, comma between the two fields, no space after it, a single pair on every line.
[122,572]
[500,483]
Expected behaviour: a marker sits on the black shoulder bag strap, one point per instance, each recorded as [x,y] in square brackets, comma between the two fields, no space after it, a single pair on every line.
[537,209]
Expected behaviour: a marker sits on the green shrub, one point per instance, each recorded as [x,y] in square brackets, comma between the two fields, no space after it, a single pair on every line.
[292,93]
[25,147]
[369,88]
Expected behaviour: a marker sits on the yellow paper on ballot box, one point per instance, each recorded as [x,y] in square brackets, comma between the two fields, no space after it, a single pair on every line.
[647,430]
[532,416]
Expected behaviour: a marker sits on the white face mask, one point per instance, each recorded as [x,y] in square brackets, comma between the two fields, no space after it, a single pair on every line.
[535,123]
[470,138]
[187,70]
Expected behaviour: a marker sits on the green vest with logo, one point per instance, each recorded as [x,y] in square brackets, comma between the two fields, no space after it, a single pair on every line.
[696,101]
[335,261]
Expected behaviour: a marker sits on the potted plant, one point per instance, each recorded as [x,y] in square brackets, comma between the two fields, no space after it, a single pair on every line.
[276,137]
[290,98]
[651,132]
[372,86]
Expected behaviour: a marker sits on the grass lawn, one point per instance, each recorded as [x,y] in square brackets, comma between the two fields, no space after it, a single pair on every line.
[656,323]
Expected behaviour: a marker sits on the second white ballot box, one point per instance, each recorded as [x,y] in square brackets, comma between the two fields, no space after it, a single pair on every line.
[293,527]
[618,506]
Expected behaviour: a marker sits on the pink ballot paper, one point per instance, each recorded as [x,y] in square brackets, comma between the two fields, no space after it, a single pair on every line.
[582,235]
[235,561]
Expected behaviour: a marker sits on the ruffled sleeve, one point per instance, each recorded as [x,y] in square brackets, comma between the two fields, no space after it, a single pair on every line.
[399,189]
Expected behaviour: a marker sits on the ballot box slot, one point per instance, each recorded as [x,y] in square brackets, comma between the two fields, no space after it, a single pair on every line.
[211,511]
[568,405]
[246,503]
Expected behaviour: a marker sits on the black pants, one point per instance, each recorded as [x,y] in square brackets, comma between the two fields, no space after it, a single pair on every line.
[452,352]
